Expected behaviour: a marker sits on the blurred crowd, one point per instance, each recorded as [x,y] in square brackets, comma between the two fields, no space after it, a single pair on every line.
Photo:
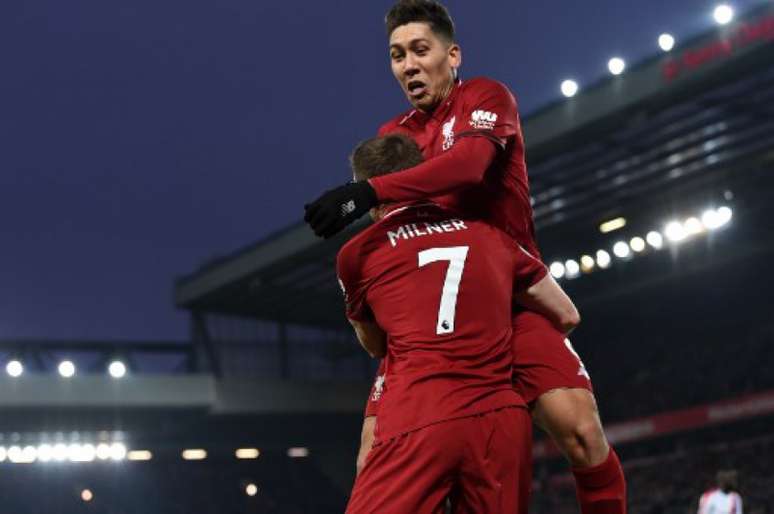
[672,483]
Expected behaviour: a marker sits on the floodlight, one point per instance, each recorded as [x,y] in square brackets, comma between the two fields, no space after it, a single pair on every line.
[14,368]
[557,270]
[616,65]
[66,369]
[723,14]
[603,259]
[666,42]
[117,369]
[621,250]
[569,88]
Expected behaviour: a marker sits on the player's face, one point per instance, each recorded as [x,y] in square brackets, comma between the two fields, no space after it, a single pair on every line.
[423,64]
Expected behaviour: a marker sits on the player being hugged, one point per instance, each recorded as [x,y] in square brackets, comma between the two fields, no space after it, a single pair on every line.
[450,423]
[470,134]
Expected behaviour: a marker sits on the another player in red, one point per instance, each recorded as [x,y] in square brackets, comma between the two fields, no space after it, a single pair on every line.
[450,424]
[470,133]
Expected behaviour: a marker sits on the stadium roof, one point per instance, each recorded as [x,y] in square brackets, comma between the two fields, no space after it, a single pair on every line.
[682,124]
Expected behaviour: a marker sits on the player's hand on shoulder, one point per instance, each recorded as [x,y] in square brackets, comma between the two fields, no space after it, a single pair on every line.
[336,208]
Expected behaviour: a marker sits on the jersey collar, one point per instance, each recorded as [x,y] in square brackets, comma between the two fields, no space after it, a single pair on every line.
[439,113]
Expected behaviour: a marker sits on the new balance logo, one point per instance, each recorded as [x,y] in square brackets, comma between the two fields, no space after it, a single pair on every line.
[483,120]
[347,208]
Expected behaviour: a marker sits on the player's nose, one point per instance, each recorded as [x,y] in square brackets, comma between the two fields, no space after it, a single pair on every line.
[410,67]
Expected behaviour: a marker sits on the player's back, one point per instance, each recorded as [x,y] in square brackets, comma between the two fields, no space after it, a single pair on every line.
[441,288]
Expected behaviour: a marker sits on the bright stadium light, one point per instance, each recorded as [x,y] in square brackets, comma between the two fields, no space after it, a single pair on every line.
[84,453]
[117,369]
[666,42]
[45,452]
[611,225]
[14,368]
[572,268]
[621,250]
[587,263]
[73,452]
[603,259]
[569,88]
[247,453]
[295,453]
[655,239]
[675,232]
[139,455]
[723,14]
[14,454]
[66,369]
[103,451]
[3,453]
[616,65]
[637,244]
[87,495]
[557,270]
[19,455]
[251,489]
[60,452]
[118,451]
[724,215]
[693,226]
[29,454]
[194,454]
[711,219]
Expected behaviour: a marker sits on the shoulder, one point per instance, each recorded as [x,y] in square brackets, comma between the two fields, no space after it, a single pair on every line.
[393,124]
[350,251]
[485,86]
[362,244]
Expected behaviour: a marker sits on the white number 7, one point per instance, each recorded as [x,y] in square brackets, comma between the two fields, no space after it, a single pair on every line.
[456,256]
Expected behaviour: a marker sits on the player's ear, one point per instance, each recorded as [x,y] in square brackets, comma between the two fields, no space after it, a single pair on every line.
[454,54]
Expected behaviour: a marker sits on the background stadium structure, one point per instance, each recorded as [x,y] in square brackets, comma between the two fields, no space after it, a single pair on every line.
[679,340]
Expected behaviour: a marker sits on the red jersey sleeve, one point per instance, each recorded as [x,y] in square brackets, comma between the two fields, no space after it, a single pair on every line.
[490,111]
[529,270]
[348,269]
[459,168]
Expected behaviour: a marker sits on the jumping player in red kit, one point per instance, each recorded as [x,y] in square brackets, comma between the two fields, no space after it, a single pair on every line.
[469,131]
[451,424]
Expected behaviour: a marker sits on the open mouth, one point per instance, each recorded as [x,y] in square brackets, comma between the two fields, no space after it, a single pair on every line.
[416,88]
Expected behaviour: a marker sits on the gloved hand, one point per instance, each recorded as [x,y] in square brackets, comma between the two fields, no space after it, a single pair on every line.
[338,207]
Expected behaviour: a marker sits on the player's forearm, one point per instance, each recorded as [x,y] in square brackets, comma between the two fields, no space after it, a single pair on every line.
[371,337]
[463,166]
[366,441]
[549,299]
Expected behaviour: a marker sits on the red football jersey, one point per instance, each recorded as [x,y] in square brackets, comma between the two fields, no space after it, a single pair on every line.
[441,287]
[479,107]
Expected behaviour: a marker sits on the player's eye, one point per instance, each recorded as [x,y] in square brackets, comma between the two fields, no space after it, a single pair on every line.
[421,51]
[396,56]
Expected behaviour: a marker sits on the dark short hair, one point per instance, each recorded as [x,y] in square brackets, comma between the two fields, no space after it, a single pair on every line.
[383,155]
[427,11]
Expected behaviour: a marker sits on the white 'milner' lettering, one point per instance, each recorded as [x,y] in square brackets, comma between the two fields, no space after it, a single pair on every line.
[412,230]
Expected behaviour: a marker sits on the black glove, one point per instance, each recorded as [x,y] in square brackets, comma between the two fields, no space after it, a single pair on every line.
[339,207]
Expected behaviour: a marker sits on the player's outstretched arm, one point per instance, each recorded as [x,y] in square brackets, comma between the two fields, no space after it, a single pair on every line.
[550,300]
[371,336]
[461,167]
[366,442]
[464,165]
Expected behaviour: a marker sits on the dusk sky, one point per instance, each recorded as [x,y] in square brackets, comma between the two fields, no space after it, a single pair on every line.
[142,138]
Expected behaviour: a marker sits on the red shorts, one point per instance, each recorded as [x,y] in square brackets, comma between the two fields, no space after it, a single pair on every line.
[482,462]
[543,358]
